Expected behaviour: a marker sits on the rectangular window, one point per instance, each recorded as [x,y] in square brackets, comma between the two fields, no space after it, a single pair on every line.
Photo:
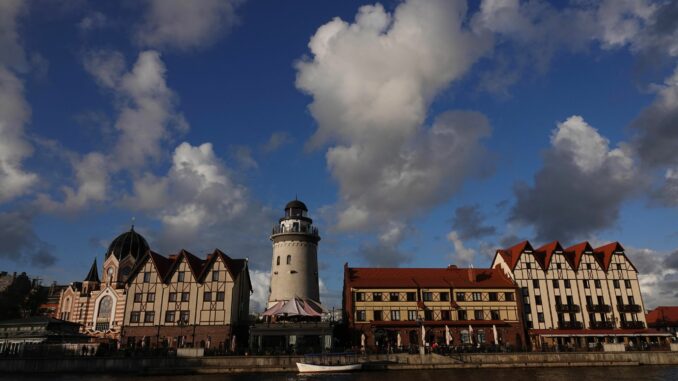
[359,296]
[220,296]
[627,283]
[540,317]
[586,283]
[180,276]
[412,315]
[494,314]
[619,266]
[169,316]
[632,300]
[535,283]
[588,266]
[461,314]
[184,315]
[567,283]
[555,283]
[360,315]
[428,315]
[411,296]
[592,317]
[215,276]
[615,283]
[134,317]
[527,308]
[150,297]
[444,296]
[138,297]
[478,314]
[149,316]
[172,296]
[493,297]
[596,282]
[428,296]
[147,277]
[570,300]
[184,296]
[378,315]
[461,296]
[477,296]
[528,265]
[395,315]
[445,314]
[620,300]
[207,296]
[376,296]
[537,300]
[525,291]
[589,300]
[601,300]
[559,266]
[509,297]
[529,325]
[394,296]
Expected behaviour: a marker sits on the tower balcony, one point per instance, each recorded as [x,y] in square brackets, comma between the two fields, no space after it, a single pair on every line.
[307,230]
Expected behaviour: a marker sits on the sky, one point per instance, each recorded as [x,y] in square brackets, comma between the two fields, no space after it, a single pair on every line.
[419,133]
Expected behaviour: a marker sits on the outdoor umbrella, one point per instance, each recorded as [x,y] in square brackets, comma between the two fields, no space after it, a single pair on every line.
[423,336]
[470,333]
[448,336]
[496,337]
[362,340]
[233,343]
[398,340]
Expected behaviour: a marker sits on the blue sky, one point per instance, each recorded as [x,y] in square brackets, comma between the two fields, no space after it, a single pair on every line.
[419,133]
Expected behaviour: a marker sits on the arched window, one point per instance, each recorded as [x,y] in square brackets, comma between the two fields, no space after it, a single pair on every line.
[277,262]
[289,259]
[105,307]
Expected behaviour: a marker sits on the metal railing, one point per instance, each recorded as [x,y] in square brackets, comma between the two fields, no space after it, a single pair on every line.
[568,308]
[310,230]
[628,308]
[603,308]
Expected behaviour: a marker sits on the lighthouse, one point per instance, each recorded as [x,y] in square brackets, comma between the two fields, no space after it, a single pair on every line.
[294,266]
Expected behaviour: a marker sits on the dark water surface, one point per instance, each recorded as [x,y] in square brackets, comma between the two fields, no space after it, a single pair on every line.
[635,373]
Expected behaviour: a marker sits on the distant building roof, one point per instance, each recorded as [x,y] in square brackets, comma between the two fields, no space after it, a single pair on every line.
[447,277]
[662,317]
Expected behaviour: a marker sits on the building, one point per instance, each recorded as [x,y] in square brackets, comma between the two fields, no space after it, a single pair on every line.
[18,335]
[663,319]
[577,296]
[99,305]
[51,305]
[185,301]
[387,307]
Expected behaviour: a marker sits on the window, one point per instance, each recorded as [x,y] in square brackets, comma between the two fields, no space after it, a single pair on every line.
[627,283]
[215,276]
[169,317]
[137,297]
[376,296]
[525,291]
[207,296]
[378,315]
[555,283]
[589,300]
[596,282]
[277,261]
[509,296]
[150,297]
[567,283]
[184,296]
[428,296]
[592,317]
[149,316]
[620,300]
[360,315]
[619,267]
[632,300]
[527,308]
[559,266]
[586,283]
[461,315]
[461,296]
[478,314]
[588,266]
[289,259]
[445,314]
[465,338]
[494,314]
[172,296]
[529,324]
[180,276]
[601,300]
[615,283]
[535,283]
[540,317]
[537,300]
[394,296]
[184,315]
[220,296]
[444,296]
[428,315]
[477,296]
[147,277]
[570,300]
[395,315]
[411,296]
[134,317]
[412,315]
[359,296]
[493,297]
[528,265]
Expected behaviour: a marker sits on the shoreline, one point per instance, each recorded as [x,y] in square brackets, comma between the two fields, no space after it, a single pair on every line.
[287,364]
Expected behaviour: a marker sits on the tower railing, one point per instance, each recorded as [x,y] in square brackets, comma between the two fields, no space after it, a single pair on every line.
[310,230]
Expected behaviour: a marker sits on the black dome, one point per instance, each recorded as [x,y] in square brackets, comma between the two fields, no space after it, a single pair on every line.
[296,204]
[129,243]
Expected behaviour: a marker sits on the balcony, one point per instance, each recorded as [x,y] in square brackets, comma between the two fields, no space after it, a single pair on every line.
[310,230]
[570,325]
[628,308]
[632,325]
[601,325]
[567,308]
[602,308]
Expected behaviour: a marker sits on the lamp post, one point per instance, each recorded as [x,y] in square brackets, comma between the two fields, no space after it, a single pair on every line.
[422,347]
[181,323]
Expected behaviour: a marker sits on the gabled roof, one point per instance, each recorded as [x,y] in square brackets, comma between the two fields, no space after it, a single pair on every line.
[93,275]
[450,277]
[574,253]
[233,266]
[544,253]
[195,264]
[662,316]
[603,254]
[512,254]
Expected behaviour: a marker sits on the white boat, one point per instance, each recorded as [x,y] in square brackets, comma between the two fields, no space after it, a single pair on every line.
[313,368]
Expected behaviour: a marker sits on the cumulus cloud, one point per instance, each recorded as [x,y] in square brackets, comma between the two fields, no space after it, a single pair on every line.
[462,254]
[380,254]
[20,243]
[186,25]
[658,276]
[581,186]
[372,82]
[261,281]
[468,222]
[275,141]
[13,55]
[93,20]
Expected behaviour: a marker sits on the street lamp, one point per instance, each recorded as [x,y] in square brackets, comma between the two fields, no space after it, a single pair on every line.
[182,324]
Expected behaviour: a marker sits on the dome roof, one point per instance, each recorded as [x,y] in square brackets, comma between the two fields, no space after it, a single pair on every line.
[129,243]
[296,204]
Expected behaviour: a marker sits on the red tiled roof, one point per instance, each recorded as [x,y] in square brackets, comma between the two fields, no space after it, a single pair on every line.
[162,264]
[512,254]
[591,332]
[544,254]
[428,323]
[427,277]
[574,253]
[604,253]
[662,316]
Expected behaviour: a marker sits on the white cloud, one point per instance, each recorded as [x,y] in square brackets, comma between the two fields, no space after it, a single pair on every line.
[372,82]
[261,281]
[13,55]
[658,275]
[93,20]
[275,141]
[462,254]
[186,25]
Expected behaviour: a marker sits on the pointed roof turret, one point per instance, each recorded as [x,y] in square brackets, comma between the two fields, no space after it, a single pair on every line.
[93,275]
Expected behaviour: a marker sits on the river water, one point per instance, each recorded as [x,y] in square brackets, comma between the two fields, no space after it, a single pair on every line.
[635,373]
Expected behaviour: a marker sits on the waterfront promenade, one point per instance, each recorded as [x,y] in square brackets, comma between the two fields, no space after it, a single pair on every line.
[241,364]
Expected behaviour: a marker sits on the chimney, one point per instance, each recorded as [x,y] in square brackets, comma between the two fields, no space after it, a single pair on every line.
[471,275]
